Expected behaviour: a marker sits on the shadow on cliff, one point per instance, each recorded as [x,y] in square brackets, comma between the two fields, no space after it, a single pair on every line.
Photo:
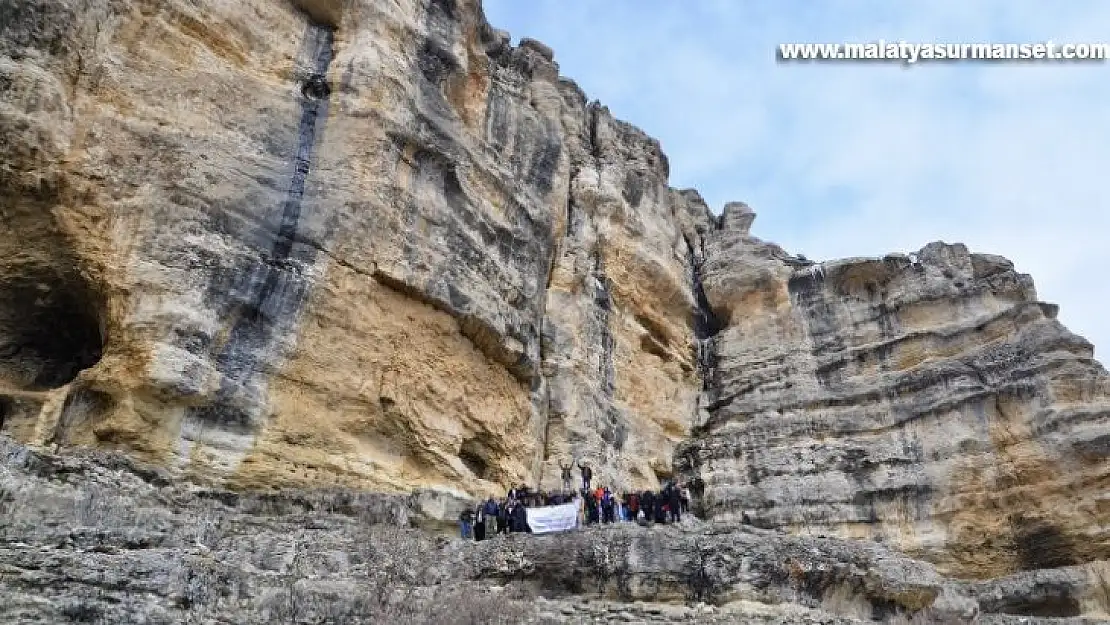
[51,323]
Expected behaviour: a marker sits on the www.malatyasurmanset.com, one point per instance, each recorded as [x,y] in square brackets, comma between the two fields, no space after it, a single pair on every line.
[909,53]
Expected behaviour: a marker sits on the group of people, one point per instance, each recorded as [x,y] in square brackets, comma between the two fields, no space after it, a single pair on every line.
[662,506]
[491,517]
[595,505]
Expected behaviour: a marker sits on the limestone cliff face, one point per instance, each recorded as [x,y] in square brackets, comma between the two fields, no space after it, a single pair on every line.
[928,401]
[372,244]
[359,242]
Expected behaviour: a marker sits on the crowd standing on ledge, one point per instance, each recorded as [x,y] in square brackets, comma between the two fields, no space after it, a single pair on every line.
[595,505]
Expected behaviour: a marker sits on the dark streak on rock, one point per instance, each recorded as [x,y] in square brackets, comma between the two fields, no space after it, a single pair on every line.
[707,324]
[604,302]
[267,294]
[541,173]
[435,61]
[633,191]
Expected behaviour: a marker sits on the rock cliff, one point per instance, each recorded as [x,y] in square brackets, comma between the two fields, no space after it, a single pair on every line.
[360,243]
[369,244]
[927,401]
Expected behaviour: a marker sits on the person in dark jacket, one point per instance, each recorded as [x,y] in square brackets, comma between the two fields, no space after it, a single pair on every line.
[647,504]
[587,474]
[466,517]
[479,523]
[592,510]
[606,507]
[674,502]
[503,517]
[490,511]
[519,519]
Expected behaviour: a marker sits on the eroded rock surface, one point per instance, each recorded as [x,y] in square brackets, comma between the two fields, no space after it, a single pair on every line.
[371,244]
[927,401]
[96,538]
[360,243]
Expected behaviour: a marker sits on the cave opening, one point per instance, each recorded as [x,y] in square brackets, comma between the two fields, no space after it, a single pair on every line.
[1058,606]
[50,330]
[473,454]
[1041,545]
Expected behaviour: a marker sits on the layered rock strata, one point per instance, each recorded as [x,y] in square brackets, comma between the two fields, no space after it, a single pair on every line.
[96,538]
[928,401]
[297,244]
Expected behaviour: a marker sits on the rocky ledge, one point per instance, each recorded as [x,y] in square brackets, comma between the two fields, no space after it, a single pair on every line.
[93,537]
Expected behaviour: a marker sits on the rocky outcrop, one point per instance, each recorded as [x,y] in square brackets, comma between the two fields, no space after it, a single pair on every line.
[368,244]
[96,538]
[929,402]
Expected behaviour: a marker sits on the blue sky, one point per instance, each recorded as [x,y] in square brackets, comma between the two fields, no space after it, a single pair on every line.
[862,159]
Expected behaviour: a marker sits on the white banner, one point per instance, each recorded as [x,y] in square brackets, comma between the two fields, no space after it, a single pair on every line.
[552,518]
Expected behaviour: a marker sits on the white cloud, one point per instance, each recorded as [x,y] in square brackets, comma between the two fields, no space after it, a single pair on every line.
[862,159]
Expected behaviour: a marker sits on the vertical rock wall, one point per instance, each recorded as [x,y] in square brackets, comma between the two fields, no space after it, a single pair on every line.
[321,241]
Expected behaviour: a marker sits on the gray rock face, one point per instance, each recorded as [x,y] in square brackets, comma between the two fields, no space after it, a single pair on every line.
[95,538]
[928,401]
